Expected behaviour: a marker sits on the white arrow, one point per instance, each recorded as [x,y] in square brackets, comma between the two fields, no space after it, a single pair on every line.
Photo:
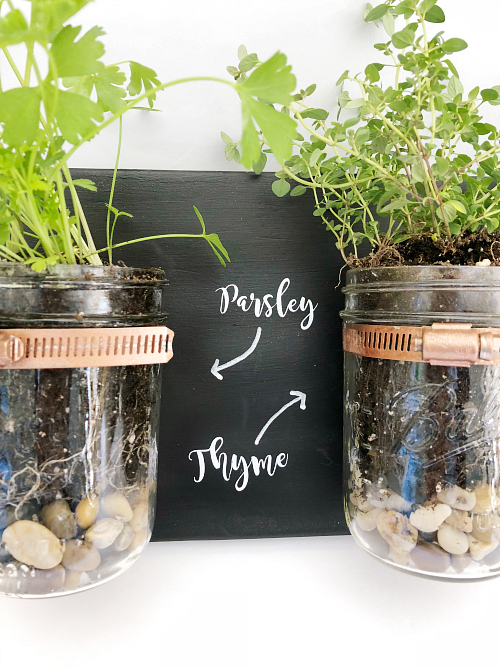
[301,397]
[216,368]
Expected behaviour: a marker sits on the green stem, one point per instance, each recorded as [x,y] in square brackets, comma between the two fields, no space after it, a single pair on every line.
[109,238]
[148,238]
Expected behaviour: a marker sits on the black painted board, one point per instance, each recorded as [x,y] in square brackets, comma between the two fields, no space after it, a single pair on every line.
[270,241]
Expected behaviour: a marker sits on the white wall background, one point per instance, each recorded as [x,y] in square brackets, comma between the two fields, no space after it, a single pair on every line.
[310,602]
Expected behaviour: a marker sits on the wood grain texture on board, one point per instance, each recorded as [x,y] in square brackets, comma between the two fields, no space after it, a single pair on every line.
[214,482]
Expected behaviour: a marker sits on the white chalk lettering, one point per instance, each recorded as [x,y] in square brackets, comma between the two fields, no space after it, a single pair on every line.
[235,464]
[268,304]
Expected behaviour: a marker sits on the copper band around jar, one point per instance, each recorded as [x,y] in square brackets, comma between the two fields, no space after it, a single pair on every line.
[83,348]
[442,344]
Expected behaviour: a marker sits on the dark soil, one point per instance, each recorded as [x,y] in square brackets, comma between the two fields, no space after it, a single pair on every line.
[465,250]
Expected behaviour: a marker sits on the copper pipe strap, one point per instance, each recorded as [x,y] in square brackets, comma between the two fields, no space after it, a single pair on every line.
[441,344]
[84,348]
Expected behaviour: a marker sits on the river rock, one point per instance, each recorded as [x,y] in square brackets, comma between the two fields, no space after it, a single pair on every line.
[428,519]
[139,518]
[452,540]
[124,539]
[460,519]
[486,499]
[377,496]
[461,563]
[33,544]
[87,511]
[361,502]
[430,557]
[478,549]
[139,541]
[395,502]
[104,532]
[115,505]
[457,498]
[59,519]
[486,527]
[397,531]
[80,555]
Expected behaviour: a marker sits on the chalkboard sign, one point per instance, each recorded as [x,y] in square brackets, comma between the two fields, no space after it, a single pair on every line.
[251,424]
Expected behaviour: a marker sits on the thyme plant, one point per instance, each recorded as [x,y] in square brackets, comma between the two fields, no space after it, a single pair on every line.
[408,152]
[63,97]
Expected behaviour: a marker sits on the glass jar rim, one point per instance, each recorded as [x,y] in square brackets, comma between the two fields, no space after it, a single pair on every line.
[82,274]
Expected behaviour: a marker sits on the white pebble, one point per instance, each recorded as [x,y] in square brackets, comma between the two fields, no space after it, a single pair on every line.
[368,520]
[429,518]
[81,556]
[377,497]
[104,532]
[139,541]
[116,506]
[124,539]
[33,544]
[139,518]
[457,498]
[360,502]
[452,540]
[397,503]
[460,519]
[397,531]
[478,550]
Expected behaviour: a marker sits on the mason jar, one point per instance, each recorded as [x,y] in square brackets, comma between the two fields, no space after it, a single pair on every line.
[422,417]
[78,446]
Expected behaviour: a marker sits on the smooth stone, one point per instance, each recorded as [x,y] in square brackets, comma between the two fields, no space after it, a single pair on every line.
[457,498]
[87,511]
[397,531]
[124,539]
[360,502]
[59,519]
[376,496]
[460,563]
[461,520]
[452,540]
[399,557]
[115,505]
[139,541]
[430,557]
[397,503]
[33,544]
[428,519]
[80,555]
[486,499]
[140,516]
[104,532]
[486,527]
[478,549]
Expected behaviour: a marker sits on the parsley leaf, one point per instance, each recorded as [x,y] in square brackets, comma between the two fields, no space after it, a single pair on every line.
[74,58]
[142,77]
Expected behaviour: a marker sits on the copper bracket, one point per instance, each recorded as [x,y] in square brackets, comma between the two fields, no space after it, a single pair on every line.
[85,347]
[442,344]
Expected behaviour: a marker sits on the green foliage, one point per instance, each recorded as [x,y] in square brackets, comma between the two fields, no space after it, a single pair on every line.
[409,152]
[46,118]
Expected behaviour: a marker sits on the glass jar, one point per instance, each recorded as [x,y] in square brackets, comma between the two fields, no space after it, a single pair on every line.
[78,455]
[422,440]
